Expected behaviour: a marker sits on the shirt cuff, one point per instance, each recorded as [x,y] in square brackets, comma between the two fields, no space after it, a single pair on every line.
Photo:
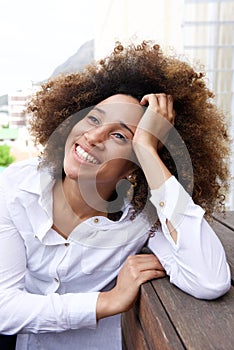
[173,203]
[82,310]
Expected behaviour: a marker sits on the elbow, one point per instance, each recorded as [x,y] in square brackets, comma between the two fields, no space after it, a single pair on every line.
[212,291]
[8,314]
[6,327]
[215,285]
[212,286]
[207,286]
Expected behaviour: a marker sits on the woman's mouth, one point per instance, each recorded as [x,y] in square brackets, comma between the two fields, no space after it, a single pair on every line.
[85,155]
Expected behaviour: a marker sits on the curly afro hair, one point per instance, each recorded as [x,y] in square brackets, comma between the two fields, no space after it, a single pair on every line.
[136,71]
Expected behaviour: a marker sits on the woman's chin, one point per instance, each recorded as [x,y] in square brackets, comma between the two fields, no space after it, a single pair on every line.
[71,173]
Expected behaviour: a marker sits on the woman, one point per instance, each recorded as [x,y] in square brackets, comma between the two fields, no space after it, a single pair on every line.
[72,227]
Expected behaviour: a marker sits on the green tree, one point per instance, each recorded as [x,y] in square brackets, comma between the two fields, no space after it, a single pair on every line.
[5,156]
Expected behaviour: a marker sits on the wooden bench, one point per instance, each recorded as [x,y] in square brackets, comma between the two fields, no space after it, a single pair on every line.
[166,318]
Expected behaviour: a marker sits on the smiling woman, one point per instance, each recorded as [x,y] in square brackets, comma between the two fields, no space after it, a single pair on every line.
[124,165]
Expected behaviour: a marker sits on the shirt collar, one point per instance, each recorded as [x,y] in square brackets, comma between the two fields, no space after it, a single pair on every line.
[36,189]
[41,185]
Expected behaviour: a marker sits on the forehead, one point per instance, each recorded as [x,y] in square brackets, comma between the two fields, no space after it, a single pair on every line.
[122,108]
[120,98]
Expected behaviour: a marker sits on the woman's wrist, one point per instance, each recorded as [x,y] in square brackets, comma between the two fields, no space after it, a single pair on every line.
[107,305]
[153,167]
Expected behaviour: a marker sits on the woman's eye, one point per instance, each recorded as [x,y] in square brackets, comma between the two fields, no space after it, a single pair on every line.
[93,119]
[120,136]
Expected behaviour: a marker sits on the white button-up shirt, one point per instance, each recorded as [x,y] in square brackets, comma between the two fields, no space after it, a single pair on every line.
[49,286]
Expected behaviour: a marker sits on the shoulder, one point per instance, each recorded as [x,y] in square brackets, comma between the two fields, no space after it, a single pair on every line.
[18,173]
[21,165]
[19,170]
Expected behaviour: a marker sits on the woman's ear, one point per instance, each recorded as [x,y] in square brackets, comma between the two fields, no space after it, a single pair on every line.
[132,178]
[130,172]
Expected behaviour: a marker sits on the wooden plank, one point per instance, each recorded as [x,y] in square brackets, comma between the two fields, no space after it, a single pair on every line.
[132,333]
[157,327]
[226,236]
[200,324]
[226,219]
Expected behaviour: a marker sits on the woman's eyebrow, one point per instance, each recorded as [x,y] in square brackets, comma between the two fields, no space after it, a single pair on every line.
[126,127]
[99,110]
[121,123]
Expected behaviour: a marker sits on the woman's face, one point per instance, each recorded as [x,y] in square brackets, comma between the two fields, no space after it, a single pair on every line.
[100,144]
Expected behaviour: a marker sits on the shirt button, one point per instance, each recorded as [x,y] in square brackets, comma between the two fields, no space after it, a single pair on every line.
[66,244]
[161,204]
[56,279]
[96,220]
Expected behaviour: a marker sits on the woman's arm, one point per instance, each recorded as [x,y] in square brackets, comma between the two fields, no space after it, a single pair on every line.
[24,312]
[186,245]
[196,262]
[151,133]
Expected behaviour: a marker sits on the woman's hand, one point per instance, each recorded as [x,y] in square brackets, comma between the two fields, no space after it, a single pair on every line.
[156,122]
[151,134]
[136,270]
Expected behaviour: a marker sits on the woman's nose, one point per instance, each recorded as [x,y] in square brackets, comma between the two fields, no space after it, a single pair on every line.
[95,137]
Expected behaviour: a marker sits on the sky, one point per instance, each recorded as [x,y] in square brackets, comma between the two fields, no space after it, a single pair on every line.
[38,35]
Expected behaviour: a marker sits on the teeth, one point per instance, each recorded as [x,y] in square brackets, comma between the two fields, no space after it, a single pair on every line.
[85,156]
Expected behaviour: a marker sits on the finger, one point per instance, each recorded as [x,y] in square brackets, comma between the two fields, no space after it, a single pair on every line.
[166,104]
[150,99]
[144,100]
[171,111]
[160,274]
[144,262]
[145,258]
[149,275]
[163,102]
[157,102]
[150,265]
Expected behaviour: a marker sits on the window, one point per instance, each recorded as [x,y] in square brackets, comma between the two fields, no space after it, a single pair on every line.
[208,35]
